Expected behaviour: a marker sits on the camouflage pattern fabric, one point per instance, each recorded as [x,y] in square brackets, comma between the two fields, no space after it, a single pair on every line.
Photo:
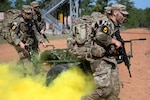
[16,29]
[39,20]
[28,67]
[28,37]
[105,70]
[10,15]
[105,74]
[37,17]
[83,41]
[93,45]
[24,31]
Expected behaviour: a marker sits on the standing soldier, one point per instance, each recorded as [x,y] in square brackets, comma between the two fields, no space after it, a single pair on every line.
[51,27]
[25,39]
[37,17]
[105,71]
[10,15]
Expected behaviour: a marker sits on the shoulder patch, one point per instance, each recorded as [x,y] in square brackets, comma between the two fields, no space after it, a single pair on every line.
[105,29]
[13,27]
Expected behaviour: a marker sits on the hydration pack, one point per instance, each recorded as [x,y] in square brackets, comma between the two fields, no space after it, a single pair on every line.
[10,16]
[82,43]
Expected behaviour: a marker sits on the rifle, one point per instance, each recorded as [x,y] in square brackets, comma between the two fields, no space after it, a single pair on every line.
[122,52]
[38,29]
[45,38]
[124,57]
[30,51]
[27,48]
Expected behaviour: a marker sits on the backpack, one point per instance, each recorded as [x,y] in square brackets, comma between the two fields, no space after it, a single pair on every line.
[10,16]
[82,43]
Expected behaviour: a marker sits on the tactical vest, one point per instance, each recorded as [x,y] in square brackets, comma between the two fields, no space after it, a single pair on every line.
[26,33]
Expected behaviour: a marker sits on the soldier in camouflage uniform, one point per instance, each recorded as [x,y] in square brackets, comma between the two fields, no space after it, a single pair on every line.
[24,34]
[37,17]
[10,15]
[105,71]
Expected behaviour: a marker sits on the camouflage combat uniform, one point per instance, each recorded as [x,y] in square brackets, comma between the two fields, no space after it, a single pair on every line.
[10,15]
[95,49]
[23,30]
[105,71]
[37,17]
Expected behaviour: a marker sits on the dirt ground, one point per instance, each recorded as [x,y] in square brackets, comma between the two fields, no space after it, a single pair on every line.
[135,88]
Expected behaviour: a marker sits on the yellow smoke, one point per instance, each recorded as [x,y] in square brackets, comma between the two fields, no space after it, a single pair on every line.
[70,85]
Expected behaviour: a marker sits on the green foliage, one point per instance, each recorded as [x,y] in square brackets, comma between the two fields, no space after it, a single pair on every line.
[137,17]
[5,5]
[147,17]
[102,4]
[18,4]
[98,8]
[131,20]
[86,7]
[43,3]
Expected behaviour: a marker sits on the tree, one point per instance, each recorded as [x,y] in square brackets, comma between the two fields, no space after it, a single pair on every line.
[137,17]
[5,5]
[18,4]
[129,4]
[132,20]
[44,3]
[86,7]
[100,4]
[147,17]
[98,8]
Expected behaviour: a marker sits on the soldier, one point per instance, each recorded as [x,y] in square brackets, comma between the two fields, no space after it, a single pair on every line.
[51,27]
[37,17]
[25,39]
[105,71]
[10,15]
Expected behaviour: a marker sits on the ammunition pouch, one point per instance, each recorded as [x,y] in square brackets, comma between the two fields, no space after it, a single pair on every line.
[82,52]
[98,51]
[111,51]
[30,41]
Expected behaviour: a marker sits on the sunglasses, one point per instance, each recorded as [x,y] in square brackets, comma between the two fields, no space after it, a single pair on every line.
[37,7]
[124,15]
[28,13]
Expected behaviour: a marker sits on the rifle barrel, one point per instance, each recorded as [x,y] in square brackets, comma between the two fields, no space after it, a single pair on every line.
[135,39]
[129,73]
[45,38]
